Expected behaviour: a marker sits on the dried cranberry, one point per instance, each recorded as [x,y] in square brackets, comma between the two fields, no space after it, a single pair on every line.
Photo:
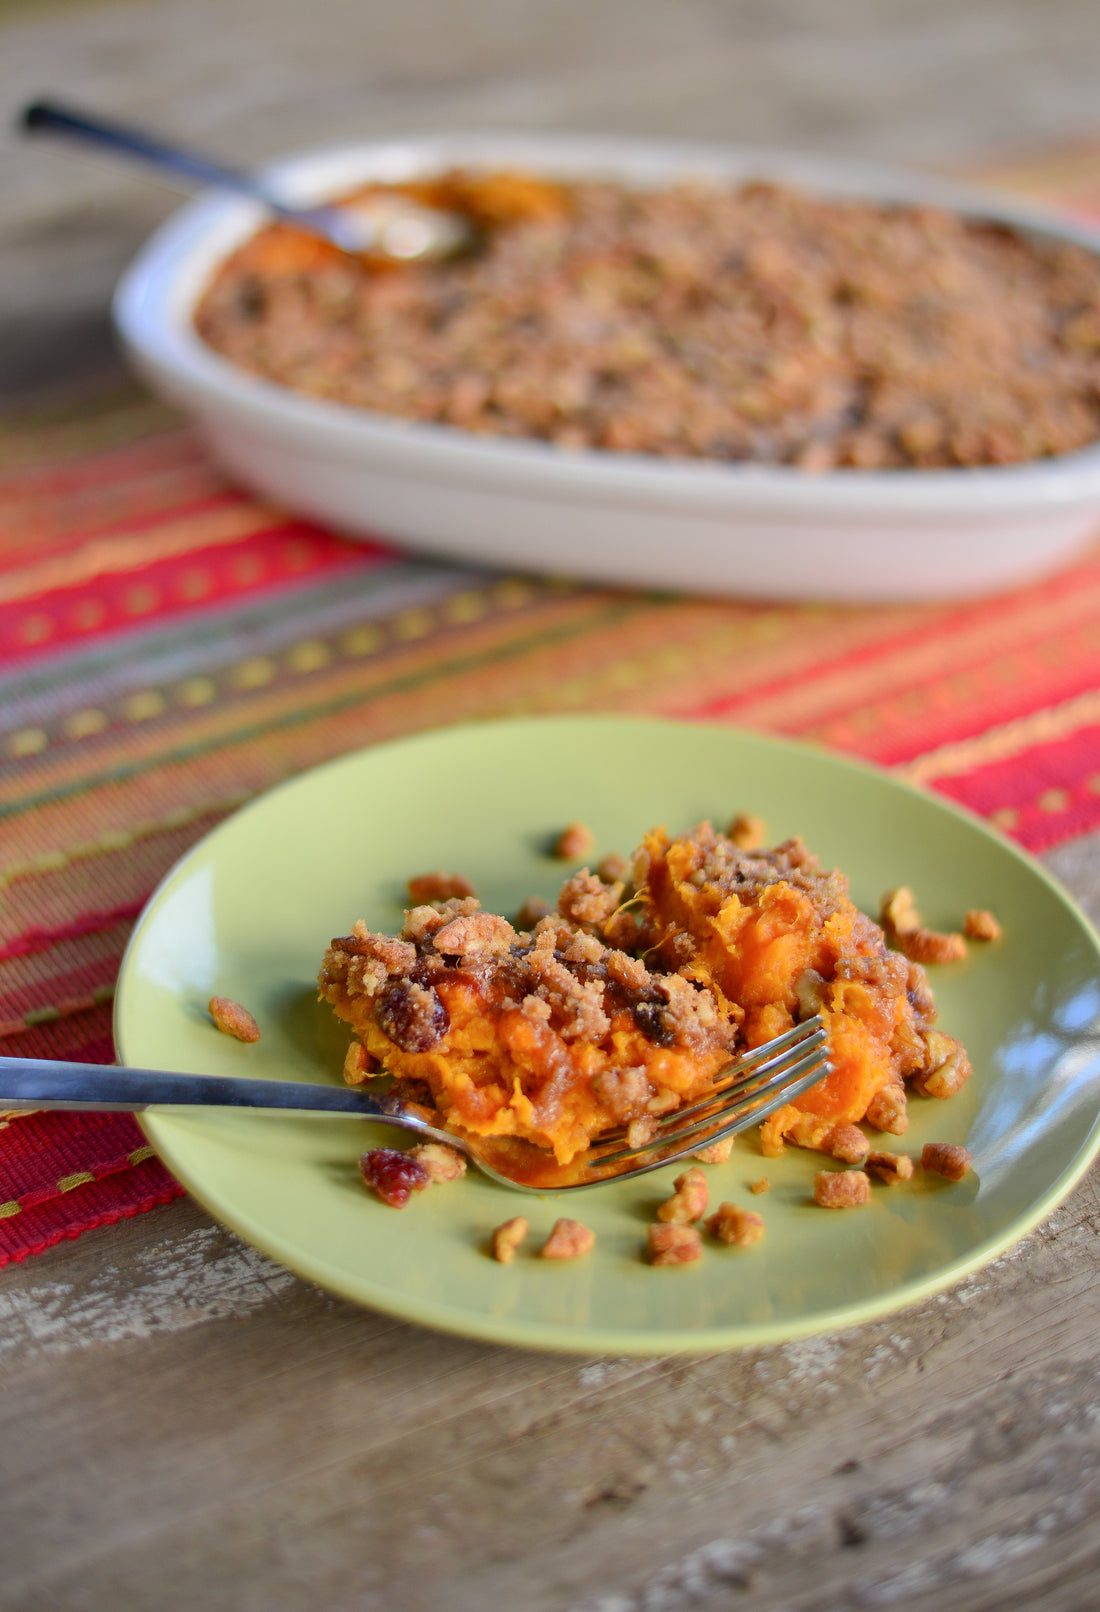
[412,1015]
[393,1175]
[252,297]
[649,1017]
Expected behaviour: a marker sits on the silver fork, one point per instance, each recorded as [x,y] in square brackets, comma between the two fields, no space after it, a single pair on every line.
[746,1091]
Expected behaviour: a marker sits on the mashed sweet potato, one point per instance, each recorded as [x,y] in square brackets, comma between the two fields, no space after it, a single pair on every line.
[625,1002]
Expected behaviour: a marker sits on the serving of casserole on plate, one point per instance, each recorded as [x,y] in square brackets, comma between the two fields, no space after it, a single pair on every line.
[241,917]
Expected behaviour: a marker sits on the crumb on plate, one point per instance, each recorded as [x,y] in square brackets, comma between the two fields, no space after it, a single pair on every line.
[946,1159]
[847,1143]
[841,1189]
[980,924]
[574,843]
[736,1226]
[568,1239]
[889,1167]
[747,832]
[441,1162]
[688,1201]
[233,1019]
[670,1244]
[437,886]
[902,922]
[508,1237]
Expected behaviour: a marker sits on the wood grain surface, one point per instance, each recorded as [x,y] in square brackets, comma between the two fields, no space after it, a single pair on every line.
[183,1424]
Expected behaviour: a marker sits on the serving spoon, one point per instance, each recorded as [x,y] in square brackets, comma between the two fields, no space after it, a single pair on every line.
[389,227]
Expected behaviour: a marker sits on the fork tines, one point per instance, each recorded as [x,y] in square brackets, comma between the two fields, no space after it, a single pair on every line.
[747,1091]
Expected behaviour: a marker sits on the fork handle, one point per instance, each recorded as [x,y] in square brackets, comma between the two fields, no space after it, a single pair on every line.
[102,1088]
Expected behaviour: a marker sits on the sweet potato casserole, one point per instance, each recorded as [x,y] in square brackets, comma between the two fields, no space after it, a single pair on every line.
[623,1003]
[755,323]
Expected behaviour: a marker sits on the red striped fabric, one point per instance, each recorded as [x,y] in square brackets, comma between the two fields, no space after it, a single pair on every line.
[170,646]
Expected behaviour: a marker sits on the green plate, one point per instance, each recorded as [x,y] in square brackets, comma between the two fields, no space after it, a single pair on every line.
[249,911]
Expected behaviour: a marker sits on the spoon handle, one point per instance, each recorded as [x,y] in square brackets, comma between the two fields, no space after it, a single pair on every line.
[415,232]
[52,117]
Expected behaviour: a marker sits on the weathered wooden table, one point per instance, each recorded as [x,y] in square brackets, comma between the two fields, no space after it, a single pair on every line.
[185,1425]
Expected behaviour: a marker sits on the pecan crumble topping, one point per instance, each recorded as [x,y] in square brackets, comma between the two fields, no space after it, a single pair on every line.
[583,1024]
[753,323]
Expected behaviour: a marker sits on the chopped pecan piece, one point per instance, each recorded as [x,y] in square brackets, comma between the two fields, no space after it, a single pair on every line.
[534,908]
[568,1239]
[396,956]
[438,886]
[420,922]
[689,1199]
[810,992]
[587,900]
[584,948]
[476,934]
[233,1019]
[847,1143]
[673,1245]
[946,1159]
[887,1111]
[948,1066]
[663,1102]
[748,833]
[930,946]
[841,1189]
[574,843]
[717,1152]
[919,993]
[624,1093]
[507,1238]
[739,1227]
[790,1124]
[640,1131]
[358,1064]
[628,971]
[441,1162]
[980,924]
[889,1167]
[897,913]
[902,923]
[907,1045]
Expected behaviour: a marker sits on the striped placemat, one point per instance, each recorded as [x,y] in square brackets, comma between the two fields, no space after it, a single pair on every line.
[170,646]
